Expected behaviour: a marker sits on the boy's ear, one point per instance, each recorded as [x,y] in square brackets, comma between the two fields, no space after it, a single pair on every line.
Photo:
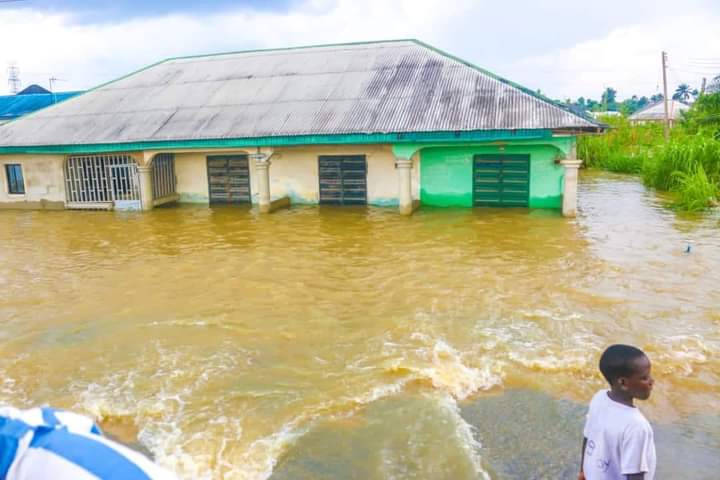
[622,382]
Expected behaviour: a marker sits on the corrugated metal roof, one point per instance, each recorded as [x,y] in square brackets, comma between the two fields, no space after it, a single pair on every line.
[656,111]
[13,106]
[382,87]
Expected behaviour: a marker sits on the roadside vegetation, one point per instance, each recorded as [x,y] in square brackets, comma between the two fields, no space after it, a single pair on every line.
[687,165]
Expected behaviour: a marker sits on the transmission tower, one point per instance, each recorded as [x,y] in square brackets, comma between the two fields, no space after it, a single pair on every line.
[13,78]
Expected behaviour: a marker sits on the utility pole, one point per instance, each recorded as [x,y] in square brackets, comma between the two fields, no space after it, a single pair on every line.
[665,96]
[702,87]
[51,80]
[13,78]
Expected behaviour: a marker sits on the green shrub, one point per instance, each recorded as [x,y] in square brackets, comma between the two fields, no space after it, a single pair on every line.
[683,155]
[695,191]
[688,164]
[703,117]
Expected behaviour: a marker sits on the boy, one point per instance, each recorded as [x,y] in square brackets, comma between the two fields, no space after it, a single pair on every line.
[618,443]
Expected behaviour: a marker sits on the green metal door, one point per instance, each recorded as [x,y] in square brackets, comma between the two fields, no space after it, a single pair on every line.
[501,180]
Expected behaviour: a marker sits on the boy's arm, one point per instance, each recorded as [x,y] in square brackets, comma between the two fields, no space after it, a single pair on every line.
[581,475]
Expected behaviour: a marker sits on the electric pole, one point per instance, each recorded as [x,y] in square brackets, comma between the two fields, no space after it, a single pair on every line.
[13,78]
[702,87]
[665,96]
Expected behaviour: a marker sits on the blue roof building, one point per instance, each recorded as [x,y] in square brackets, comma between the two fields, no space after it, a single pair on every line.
[27,101]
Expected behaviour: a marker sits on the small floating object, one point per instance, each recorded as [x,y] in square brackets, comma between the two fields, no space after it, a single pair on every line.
[688,249]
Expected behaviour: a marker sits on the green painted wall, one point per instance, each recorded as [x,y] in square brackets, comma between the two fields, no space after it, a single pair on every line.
[446,173]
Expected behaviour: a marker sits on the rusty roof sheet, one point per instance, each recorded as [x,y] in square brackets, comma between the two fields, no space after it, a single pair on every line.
[381,87]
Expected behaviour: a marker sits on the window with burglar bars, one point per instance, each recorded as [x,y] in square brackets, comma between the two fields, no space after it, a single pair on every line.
[101,179]
[16,184]
[163,166]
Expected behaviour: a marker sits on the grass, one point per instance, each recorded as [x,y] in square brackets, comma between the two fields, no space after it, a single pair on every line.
[623,149]
[688,165]
[695,191]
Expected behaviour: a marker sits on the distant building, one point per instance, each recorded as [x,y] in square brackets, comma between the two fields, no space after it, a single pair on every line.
[28,100]
[33,89]
[656,112]
[606,113]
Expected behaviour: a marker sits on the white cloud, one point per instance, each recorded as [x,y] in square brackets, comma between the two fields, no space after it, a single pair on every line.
[511,38]
[627,59]
[47,45]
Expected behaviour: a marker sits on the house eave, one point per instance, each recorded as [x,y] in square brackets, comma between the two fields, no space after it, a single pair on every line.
[283,141]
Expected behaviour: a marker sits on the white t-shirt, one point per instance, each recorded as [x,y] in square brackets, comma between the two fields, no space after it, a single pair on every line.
[619,441]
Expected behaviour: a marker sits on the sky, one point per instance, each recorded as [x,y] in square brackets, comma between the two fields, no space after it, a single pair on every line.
[564,48]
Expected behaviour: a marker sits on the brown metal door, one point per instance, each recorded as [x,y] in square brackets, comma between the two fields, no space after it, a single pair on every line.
[343,179]
[228,179]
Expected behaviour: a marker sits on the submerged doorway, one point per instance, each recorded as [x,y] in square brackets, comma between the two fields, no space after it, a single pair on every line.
[501,180]
[228,179]
[343,179]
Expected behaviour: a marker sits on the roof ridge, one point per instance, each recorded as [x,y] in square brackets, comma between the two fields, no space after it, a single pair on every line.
[298,47]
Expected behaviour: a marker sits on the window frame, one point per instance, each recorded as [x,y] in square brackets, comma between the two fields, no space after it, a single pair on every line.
[15,185]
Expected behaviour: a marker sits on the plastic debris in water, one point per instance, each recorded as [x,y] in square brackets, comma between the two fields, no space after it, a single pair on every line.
[688,249]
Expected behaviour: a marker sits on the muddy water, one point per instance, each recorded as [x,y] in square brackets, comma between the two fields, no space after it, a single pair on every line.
[232,345]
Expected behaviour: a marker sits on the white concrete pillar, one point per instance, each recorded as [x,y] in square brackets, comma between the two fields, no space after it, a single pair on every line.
[146,186]
[262,169]
[569,202]
[404,168]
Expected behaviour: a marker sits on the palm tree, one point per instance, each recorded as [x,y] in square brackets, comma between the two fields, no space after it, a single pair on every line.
[682,92]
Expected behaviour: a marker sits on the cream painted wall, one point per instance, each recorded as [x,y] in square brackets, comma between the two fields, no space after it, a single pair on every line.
[43,177]
[191,174]
[294,173]
[192,179]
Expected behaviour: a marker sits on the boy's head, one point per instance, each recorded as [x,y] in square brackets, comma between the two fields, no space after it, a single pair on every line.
[628,369]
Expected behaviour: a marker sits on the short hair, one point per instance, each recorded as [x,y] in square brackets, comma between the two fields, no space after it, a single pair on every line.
[616,361]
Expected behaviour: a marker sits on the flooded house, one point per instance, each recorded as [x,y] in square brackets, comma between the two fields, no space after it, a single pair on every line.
[391,123]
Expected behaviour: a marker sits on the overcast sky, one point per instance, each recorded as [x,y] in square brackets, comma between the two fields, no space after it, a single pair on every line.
[565,48]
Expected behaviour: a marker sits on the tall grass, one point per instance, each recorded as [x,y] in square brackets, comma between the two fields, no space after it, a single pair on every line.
[695,190]
[688,165]
[622,149]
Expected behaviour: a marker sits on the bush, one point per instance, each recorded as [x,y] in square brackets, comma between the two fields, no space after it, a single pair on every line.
[623,148]
[682,155]
[695,190]
[704,116]
[689,164]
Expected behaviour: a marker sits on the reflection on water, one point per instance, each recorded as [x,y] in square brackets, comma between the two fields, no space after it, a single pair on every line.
[223,340]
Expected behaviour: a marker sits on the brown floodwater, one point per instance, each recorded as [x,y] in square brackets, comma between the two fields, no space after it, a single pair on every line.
[224,341]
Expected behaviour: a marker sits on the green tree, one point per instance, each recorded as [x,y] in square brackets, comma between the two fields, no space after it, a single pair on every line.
[704,115]
[683,93]
[608,99]
[656,98]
